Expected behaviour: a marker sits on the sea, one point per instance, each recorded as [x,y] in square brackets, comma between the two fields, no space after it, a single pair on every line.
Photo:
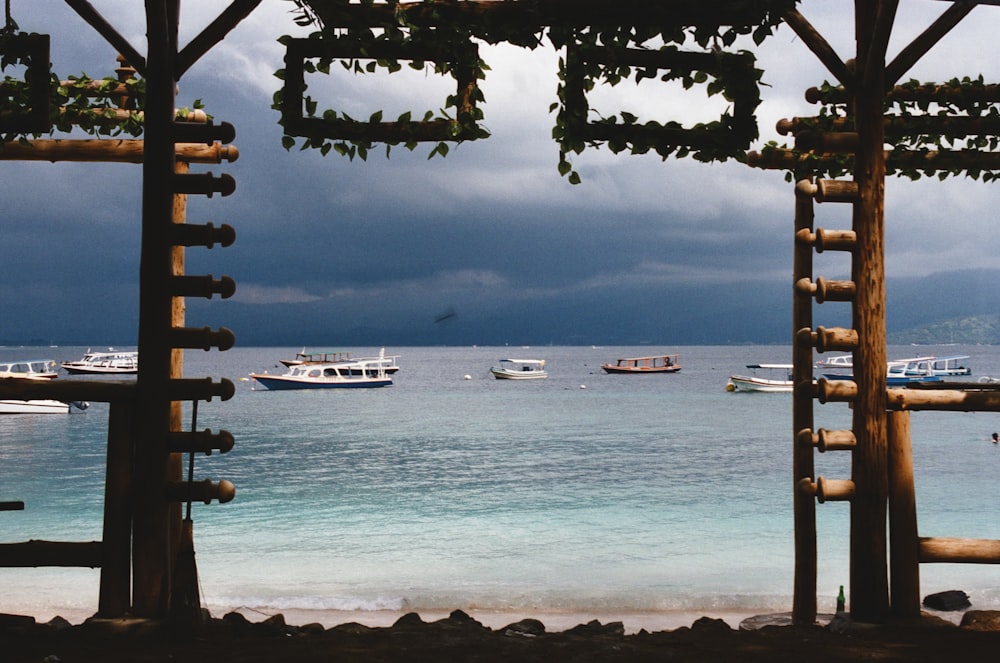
[648,499]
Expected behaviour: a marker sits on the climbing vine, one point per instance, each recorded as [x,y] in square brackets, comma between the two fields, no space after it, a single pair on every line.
[934,130]
[42,103]
[606,43]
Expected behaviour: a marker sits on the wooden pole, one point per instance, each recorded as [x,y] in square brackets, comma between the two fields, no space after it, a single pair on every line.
[116,568]
[869,574]
[804,597]
[151,549]
[904,564]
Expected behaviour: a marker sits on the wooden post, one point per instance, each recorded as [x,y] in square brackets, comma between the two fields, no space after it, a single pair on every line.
[904,548]
[869,589]
[116,569]
[151,549]
[804,597]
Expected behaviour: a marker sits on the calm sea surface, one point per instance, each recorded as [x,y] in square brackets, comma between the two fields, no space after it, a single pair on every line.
[585,492]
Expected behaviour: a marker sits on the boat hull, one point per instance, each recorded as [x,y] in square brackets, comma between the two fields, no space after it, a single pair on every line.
[82,370]
[610,368]
[506,374]
[39,406]
[749,383]
[283,383]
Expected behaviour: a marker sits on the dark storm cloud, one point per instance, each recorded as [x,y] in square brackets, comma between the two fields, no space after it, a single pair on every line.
[489,228]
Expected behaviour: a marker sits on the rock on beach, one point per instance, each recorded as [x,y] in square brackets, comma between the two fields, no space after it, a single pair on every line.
[459,637]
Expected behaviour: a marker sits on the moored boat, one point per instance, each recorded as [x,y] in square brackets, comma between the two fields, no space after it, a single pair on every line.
[104,362]
[845,362]
[519,369]
[358,373]
[653,364]
[388,362]
[39,406]
[951,365]
[900,372]
[34,369]
[778,378]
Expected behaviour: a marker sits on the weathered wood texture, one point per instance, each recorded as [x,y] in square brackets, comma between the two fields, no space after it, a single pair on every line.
[904,565]
[869,585]
[968,551]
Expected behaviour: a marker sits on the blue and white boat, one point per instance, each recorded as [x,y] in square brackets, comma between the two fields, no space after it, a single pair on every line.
[899,372]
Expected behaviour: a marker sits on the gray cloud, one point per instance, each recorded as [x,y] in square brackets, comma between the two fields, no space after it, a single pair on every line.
[492,220]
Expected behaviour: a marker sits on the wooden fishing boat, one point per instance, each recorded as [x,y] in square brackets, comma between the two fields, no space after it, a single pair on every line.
[652,364]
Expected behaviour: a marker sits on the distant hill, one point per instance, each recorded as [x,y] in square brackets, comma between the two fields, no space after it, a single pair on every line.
[972,330]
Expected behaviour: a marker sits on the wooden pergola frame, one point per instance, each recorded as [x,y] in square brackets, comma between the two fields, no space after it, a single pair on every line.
[145,531]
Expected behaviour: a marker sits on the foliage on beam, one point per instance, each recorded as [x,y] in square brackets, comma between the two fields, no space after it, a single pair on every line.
[934,130]
[606,41]
[105,107]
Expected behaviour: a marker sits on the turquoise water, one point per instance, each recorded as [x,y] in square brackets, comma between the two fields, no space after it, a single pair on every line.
[585,492]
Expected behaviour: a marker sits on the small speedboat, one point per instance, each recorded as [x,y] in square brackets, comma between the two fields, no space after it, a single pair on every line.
[778,378]
[519,369]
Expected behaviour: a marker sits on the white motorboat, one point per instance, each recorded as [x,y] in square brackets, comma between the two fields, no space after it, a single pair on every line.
[778,378]
[519,369]
[357,373]
[845,362]
[104,362]
[39,406]
[36,369]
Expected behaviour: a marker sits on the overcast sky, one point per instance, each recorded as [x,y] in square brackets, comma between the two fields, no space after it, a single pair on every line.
[407,238]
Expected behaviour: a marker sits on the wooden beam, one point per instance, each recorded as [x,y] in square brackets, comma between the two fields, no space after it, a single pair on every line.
[111,151]
[103,391]
[926,40]
[213,33]
[967,551]
[896,160]
[881,31]
[96,21]
[51,553]
[815,42]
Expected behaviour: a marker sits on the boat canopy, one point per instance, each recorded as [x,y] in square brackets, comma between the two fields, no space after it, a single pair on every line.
[536,362]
